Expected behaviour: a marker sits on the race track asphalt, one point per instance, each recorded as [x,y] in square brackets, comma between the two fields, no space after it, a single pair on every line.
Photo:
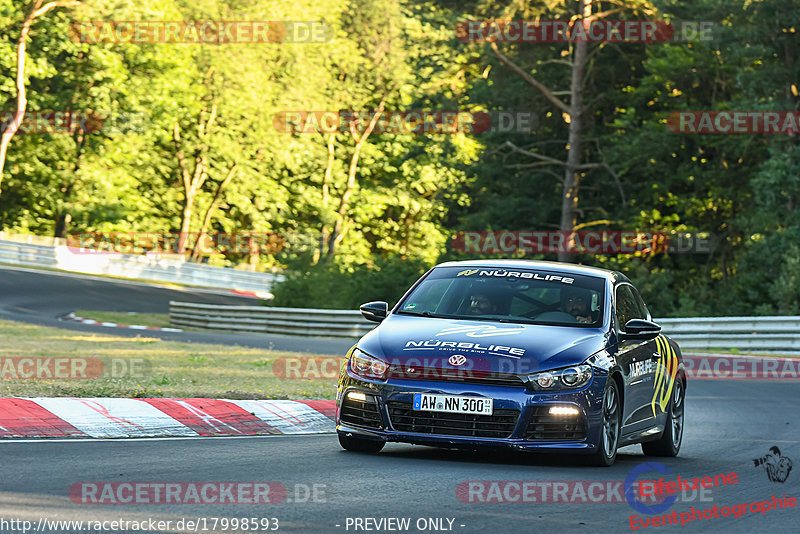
[729,423]
[42,297]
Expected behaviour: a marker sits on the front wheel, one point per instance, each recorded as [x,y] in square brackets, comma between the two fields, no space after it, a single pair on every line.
[609,434]
[670,442]
[352,443]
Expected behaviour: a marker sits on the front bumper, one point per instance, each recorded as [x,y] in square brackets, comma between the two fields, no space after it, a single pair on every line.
[520,421]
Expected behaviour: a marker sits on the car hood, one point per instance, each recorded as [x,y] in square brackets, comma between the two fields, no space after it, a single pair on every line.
[497,347]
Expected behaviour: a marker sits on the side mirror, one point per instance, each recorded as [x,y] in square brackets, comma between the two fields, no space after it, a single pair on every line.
[375,311]
[641,330]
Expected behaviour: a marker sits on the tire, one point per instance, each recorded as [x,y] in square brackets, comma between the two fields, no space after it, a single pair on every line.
[606,452]
[352,443]
[669,444]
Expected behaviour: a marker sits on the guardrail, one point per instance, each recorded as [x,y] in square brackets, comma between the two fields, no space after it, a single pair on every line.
[748,333]
[269,320]
[745,333]
[52,253]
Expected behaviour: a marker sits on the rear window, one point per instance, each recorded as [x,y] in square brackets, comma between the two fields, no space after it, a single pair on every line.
[509,295]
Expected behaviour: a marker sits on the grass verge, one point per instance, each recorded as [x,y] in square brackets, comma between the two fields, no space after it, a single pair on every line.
[161,320]
[165,368]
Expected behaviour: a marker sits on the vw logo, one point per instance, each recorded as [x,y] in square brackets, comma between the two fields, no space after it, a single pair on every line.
[457,359]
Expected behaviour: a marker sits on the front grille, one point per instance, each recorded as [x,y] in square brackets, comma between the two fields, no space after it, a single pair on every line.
[361,413]
[406,419]
[463,376]
[546,427]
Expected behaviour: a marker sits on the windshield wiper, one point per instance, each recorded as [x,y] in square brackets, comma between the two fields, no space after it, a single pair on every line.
[518,321]
[462,317]
[427,314]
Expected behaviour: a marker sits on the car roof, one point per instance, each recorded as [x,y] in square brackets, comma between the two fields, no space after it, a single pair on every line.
[572,268]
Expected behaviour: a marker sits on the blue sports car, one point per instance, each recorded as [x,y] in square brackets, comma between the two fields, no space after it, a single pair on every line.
[528,355]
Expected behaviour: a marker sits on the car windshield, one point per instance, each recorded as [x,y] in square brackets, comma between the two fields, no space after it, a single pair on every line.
[508,295]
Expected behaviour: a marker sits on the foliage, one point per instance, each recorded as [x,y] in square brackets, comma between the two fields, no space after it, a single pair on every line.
[411,192]
[331,286]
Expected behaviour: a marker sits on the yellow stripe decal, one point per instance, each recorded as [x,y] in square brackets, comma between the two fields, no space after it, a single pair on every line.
[665,374]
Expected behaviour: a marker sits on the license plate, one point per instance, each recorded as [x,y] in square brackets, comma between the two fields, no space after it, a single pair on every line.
[452,404]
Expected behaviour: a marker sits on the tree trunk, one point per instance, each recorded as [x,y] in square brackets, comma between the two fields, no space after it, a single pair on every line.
[210,212]
[344,204]
[64,217]
[574,113]
[324,236]
[186,217]
[22,99]
[254,252]
[572,178]
[62,224]
[192,182]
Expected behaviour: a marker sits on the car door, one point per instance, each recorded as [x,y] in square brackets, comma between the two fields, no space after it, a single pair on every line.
[636,359]
[662,370]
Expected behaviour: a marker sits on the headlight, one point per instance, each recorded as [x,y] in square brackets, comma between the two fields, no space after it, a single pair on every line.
[573,377]
[366,366]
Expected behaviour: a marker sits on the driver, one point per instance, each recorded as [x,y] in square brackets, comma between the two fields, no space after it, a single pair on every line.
[482,302]
[576,302]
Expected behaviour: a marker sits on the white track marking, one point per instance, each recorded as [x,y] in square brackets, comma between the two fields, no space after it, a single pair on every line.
[114,418]
[288,416]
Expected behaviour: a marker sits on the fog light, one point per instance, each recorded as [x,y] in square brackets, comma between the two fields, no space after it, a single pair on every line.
[564,410]
[356,395]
